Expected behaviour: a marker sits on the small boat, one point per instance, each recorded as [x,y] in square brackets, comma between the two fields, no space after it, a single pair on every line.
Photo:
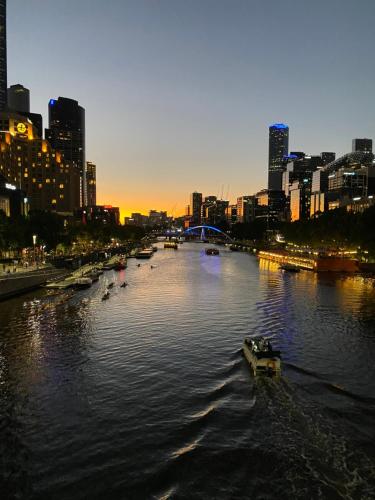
[144,254]
[290,267]
[171,244]
[111,285]
[261,357]
[106,295]
[154,249]
[123,285]
[120,266]
[212,251]
[138,265]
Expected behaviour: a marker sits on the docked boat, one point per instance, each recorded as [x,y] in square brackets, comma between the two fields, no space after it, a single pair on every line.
[261,357]
[290,268]
[212,251]
[145,254]
[154,249]
[106,295]
[82,283]
[171,244]
[120,265]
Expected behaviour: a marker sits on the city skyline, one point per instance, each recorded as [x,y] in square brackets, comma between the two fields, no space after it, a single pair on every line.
[174,106]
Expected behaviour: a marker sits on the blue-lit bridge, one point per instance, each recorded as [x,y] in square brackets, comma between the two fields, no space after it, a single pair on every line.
[201,232]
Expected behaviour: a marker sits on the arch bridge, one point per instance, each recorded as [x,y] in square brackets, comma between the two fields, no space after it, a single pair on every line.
[203,229]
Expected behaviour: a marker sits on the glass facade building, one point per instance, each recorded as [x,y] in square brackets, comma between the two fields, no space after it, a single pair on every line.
[278,150]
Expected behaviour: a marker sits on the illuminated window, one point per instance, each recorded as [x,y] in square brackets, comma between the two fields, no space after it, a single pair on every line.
[26,174]
[53,202]
[48,181]
[40,186]
[61,196]
[61,186]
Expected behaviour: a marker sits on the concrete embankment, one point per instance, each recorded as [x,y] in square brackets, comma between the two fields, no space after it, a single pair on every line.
[15,284]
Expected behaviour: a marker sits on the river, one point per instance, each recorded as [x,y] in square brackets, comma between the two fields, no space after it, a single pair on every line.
[147,395]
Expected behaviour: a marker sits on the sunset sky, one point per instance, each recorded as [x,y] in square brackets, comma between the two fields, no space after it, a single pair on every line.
[179,94]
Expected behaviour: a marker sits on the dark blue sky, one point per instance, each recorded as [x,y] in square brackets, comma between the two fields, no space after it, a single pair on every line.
[179,93]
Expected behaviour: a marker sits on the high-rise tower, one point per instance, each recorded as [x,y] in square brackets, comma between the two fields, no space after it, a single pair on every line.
[66,133]
[3,54]
[278,149]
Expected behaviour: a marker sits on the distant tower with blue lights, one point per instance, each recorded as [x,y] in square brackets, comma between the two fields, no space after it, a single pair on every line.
[278,149]
[3,55]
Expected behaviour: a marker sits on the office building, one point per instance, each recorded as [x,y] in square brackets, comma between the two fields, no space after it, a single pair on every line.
[19,98]
[246,206]
[136,219]
[66,133]
[3,55]
[19,102]
[364,145]
[102,214]
[195,208]
[232,214]
[32,165]
[327,157]
[278,149]
[214,211]
[91,183]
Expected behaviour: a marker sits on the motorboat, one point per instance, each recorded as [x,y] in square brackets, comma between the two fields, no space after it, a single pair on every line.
[111,285]
[212,251]
[123,285]
[120,265]
[290,268]
[106,295]
[261,357]
[145,254]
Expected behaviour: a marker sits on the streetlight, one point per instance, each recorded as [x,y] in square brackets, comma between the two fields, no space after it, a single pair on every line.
[34,243]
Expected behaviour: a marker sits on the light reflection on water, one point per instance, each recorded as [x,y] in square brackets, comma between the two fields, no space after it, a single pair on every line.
[147,394]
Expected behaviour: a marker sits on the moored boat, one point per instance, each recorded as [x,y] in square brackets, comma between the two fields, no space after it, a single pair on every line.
[145,254]
[120,265]
[171,244]
[261,357]
[212,251]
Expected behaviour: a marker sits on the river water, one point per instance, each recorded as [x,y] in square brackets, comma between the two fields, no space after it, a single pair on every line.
[147,395]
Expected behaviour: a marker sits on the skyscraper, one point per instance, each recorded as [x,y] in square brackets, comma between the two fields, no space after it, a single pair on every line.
[91,183]
[66,133]
[364,145]
[195,207]
[3,55]
[19,101]
[19,98]
[278,148]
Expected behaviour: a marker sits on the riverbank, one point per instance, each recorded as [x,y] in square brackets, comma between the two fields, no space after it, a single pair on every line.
[18,283]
